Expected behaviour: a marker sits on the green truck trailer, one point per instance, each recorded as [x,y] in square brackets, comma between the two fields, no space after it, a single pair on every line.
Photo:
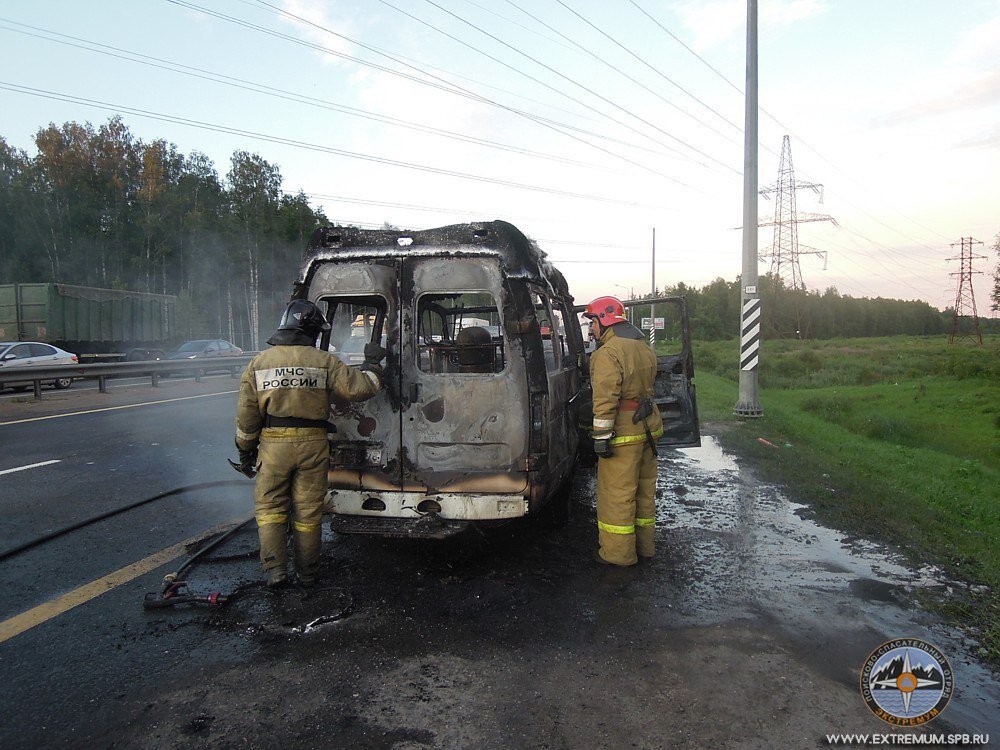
[89,321]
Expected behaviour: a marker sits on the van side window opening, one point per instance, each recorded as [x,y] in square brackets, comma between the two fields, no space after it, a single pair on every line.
[550,342]
[459,332]
[354,322]
[559,338]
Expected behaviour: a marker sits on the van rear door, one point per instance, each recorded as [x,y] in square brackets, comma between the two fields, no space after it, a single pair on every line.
[673,390]
[360,300]
[463,426]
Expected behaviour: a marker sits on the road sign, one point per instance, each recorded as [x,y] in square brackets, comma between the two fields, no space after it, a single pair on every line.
[659,324]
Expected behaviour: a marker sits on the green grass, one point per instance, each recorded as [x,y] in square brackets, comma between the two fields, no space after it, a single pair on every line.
[894,438]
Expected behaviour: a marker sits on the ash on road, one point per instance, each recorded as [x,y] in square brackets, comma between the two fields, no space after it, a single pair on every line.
[748,630]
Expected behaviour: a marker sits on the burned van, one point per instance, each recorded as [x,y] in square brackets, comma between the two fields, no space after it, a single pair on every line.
[486,377]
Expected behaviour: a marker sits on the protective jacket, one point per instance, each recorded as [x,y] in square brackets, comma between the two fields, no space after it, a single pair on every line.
[622,371]
[283,406]
[295,381]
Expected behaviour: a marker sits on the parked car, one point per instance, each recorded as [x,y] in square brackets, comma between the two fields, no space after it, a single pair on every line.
[206,349]
[34,354]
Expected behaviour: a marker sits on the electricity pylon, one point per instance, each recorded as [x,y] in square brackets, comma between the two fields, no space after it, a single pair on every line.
[785,248]
[965,299]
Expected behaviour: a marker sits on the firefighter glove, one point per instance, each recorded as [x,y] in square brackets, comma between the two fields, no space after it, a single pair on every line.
[246,470]
[602,445]
[248,461]
[248,457]
[374,354]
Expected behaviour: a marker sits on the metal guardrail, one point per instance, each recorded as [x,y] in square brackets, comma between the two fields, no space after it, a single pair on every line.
[155,369]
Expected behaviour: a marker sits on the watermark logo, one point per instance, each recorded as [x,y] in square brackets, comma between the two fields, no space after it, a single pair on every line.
[907,682]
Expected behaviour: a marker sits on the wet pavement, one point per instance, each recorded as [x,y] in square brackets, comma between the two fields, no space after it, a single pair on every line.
[835,596]
[747,630]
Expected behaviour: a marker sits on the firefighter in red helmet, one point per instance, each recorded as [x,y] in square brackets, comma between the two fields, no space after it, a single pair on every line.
[626,426]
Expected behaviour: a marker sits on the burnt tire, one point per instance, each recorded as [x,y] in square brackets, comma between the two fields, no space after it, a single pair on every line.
[20,388]
[558,510]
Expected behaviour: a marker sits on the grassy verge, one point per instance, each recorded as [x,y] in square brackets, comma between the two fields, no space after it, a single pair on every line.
[895,439]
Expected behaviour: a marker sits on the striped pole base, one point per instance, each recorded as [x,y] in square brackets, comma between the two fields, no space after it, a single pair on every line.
[748,406]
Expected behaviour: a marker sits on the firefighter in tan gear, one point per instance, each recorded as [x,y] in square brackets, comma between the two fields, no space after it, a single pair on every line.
[626,426]
[281,434]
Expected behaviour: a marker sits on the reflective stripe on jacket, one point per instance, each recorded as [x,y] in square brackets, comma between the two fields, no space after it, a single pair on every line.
[295,381]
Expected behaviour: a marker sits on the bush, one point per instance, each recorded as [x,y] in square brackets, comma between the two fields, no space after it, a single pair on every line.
[831,408]
[970,363]
[897,429]
[810,360]
[867,376]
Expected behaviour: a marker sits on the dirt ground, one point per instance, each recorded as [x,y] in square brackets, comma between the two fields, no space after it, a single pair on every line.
[747,630]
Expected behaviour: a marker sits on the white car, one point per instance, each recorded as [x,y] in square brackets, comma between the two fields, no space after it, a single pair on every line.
[37,354]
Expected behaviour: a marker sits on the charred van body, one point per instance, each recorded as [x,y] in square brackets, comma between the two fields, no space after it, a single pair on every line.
[486,377]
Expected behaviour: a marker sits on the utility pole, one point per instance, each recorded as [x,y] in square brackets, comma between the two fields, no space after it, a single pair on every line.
[965,299]
[652,307]
[628,295]
[749,404]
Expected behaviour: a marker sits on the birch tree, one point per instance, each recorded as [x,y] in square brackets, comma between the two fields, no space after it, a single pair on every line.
[254,194]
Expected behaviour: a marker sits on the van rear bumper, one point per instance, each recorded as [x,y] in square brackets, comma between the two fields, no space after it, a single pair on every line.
[428,527]
[412,506]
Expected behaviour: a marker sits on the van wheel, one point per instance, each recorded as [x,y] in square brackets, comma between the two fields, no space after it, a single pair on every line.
[559,509]
[63,383]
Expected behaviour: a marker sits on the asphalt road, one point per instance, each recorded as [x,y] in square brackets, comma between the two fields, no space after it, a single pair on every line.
[748,629]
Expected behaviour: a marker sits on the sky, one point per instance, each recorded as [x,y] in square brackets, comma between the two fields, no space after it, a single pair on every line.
[586,123]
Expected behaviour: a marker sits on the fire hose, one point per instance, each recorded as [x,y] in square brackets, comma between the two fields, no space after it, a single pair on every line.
[174,585]
[94,519]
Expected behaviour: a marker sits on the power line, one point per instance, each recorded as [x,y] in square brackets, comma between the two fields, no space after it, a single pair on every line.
[240,83]
[418,228]
[561,75]
[618,70]
[520,25]
[460,212]
[203,125]
[445,86]
[656,70]
[780,124]
[893,276]
[874,218]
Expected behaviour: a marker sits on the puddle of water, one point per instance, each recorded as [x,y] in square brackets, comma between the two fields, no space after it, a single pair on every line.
[736,548]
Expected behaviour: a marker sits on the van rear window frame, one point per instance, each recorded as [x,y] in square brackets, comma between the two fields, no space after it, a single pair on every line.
[496,310]
[331,301]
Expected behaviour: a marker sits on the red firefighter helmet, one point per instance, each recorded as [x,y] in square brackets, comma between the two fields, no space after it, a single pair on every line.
[607,311]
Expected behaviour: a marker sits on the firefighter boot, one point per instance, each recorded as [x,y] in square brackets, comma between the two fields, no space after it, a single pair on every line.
[645,504]
[306,542]
[273,539]
[308,493]
[277,577]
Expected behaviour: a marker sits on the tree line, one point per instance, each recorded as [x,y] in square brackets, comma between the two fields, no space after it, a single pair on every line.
[100,207]
[714,310]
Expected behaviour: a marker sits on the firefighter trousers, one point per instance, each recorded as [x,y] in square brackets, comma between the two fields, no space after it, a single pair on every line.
[291,485]
[626,506]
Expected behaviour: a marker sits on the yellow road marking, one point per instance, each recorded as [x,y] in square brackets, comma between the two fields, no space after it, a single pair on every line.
[55,607]
[115,408]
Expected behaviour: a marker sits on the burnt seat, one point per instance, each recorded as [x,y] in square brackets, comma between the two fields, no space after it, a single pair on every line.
[475,350]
